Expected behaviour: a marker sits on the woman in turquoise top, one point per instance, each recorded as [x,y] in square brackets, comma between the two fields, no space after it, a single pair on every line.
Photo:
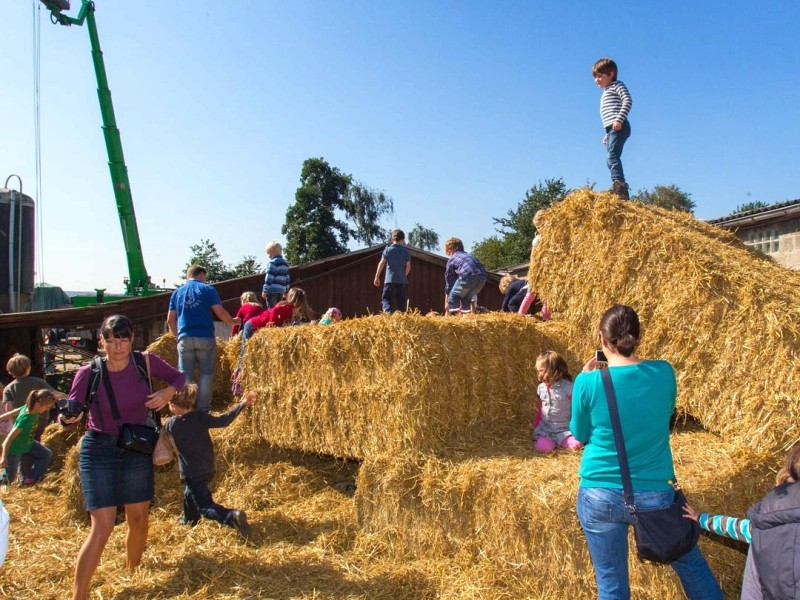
[646,391]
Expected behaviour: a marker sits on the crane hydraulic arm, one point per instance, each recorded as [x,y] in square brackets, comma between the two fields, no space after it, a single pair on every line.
[138,281]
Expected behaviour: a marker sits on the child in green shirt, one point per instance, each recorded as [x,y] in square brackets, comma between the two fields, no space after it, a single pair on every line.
[20,441]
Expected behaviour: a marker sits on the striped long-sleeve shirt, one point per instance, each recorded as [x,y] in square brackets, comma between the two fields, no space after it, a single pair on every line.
[738,529]
[615,103]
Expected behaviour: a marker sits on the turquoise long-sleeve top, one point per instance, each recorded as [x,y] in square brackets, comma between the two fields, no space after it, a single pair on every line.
[646,393]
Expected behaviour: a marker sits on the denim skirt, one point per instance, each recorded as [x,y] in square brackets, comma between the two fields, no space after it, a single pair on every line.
[112,476]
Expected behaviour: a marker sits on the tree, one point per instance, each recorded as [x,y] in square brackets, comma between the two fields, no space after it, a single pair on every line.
[666,196]
[423,238]
[513,245]
[314,228]
[247,266]
[206,255]
[748,206]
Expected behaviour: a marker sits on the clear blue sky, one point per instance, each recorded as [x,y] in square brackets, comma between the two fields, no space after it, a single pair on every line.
[454,109]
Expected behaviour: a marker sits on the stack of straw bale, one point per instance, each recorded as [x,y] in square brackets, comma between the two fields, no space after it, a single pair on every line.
[728,319]
[451,501]
[406,382]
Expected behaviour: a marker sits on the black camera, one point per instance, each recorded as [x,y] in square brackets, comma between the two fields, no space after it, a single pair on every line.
[69,409]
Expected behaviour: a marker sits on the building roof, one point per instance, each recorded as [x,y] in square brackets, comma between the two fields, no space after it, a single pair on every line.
[757,215]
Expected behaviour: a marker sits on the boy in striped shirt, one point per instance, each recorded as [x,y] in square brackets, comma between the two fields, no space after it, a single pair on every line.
[615,104]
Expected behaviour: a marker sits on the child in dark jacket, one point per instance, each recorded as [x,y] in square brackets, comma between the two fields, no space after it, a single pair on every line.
[189,429]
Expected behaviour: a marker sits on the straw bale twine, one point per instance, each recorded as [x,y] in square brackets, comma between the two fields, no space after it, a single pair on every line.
[364,386]
[727,318]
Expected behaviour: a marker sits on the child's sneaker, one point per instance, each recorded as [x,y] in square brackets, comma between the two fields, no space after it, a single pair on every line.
[241,524]
[28,481]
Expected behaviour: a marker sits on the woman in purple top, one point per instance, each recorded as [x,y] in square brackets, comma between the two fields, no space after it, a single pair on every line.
[112,476]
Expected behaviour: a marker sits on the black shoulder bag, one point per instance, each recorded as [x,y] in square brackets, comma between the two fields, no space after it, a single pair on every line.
[136,438]
[662,535]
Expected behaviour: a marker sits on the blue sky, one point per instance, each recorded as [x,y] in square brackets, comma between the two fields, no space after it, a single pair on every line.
[454,109]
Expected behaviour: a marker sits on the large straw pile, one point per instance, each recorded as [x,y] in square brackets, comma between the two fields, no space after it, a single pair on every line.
[727,318]
[387,384]
[451,501]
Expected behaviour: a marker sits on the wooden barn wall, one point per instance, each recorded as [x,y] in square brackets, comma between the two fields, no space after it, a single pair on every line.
[344,281]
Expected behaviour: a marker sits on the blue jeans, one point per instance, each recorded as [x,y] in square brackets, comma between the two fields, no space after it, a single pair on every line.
[273,299]
[605,522]
[200,353]
[463,290]
[398,291]
[39,457]
[197,502]
[615,142]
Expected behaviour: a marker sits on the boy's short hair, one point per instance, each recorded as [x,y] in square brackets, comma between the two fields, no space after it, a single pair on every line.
[186,397]
[18,365]
[606,66]
[398,235]
[454,244]
[274,247]
[195,270]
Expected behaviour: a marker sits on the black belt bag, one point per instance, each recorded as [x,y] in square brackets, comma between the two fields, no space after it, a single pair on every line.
[137,438]
[662,535]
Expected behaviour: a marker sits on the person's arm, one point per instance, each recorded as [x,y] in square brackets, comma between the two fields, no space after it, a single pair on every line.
[730,527]
[381,265]
[408,267]
[172,322]
[12,414]
[627,103]
[175,380]
[6,444]
[580,423]
[217,421]
[224,316]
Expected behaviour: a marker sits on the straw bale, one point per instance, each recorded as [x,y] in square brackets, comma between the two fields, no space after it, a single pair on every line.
[518,510]
[725,317]
[389,383]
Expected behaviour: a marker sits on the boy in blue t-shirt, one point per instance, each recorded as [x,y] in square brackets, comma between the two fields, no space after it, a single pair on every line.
[397,261]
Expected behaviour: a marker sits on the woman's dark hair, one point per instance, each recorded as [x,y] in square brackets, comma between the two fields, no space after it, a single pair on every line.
[118,326]
[620,328]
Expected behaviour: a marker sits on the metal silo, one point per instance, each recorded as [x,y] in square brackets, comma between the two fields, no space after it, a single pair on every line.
[17,244]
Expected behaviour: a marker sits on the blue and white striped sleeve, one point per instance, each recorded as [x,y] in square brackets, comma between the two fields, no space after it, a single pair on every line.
[737,529]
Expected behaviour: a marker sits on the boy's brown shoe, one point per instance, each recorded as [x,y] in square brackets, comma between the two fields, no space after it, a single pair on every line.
[241,524]
[620,188]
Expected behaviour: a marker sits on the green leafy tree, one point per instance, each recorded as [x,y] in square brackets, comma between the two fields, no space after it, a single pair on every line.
[666,196]
[424,238]
[329,210]
[247,266]
[206,255]
[747,206]
[516,230]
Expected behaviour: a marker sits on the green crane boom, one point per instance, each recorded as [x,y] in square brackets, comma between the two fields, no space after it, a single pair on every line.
[138,281]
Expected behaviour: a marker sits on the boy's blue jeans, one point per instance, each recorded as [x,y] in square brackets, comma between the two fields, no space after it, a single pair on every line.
[615,142]
[201,353]
[463,290]
[197,502]
[398,291]
[605,522]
